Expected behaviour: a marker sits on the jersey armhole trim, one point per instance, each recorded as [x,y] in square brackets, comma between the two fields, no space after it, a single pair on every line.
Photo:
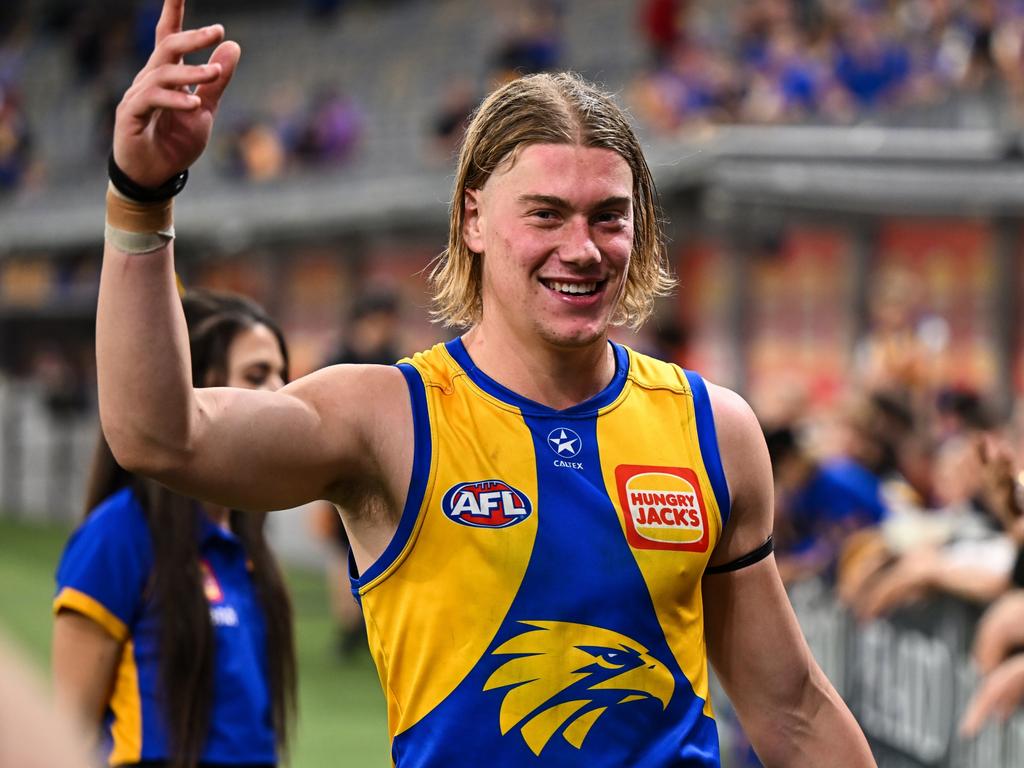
[421,461]
[70,599]
[708,440]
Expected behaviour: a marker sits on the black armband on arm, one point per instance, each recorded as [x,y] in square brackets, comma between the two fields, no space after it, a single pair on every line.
[743,561]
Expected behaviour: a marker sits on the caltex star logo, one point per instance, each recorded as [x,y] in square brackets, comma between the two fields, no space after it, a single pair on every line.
[564,442]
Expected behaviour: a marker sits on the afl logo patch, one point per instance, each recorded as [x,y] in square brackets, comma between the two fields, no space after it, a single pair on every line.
[486,504]
[663,508]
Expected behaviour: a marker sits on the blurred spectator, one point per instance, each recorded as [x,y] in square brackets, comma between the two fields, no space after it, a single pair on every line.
[457,104]
[817,505]
[999,642]
[534,45]
[898,352]
[103,41]
[960,411]
[872,63]
[15,141]
[331,131]
[144,29]
[952,549]
[664,25]
[59,376]
[372,333]
[697,85]
[255,151]
[324,10]
[789,85]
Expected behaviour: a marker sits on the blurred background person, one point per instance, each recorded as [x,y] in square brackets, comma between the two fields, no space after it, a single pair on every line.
[173,625]
[817,505]
[998,649]
[372,332]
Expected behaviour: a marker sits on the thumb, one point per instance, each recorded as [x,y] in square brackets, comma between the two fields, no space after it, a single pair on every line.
[226,54]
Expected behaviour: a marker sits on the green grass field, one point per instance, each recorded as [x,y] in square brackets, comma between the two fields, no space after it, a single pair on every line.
[341,715]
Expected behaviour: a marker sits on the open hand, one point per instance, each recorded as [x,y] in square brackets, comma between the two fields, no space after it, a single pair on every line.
[161,125]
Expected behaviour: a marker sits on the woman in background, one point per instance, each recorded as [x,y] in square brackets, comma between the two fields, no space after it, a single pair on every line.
[173,626]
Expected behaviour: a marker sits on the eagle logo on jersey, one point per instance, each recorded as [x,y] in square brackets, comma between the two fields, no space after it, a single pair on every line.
[566,675]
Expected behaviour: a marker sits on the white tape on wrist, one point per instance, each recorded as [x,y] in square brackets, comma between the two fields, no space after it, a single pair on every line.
[137,242]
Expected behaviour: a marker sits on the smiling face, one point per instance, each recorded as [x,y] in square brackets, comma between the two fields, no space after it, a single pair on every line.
[555,230]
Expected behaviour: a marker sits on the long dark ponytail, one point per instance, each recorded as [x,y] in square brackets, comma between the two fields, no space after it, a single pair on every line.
[175,586]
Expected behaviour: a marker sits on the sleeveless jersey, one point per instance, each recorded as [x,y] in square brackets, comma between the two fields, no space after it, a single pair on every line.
[540,603]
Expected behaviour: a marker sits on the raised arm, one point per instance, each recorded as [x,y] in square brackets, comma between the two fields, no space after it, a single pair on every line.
[252,450]
[789,710]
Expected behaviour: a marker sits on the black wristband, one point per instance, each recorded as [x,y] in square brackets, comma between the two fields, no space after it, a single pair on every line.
[750,558]
[140,194]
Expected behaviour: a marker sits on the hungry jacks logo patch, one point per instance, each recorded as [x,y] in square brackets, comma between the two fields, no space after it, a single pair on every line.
[663,508]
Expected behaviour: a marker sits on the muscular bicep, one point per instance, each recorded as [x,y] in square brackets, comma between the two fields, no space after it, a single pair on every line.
[85,657]
[260,450]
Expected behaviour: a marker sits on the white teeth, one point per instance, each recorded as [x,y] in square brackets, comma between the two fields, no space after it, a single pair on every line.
[573,288]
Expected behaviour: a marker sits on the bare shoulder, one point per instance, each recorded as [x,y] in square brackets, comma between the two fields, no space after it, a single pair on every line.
[739,432]
[367,405]
[748,474]
[333,391]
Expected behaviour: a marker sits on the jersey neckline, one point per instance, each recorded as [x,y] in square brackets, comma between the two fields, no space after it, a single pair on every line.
[457,349]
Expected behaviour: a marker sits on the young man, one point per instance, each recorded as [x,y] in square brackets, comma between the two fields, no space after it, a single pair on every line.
[534,509]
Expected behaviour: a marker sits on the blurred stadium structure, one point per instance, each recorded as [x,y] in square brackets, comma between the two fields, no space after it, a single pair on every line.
[782,233]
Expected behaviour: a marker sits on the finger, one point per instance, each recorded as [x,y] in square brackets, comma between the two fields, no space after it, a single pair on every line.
[149,99]
[174,47]
[987,654]
[983,448]
[225,56]
[171,17]
[178,76]
[976,714]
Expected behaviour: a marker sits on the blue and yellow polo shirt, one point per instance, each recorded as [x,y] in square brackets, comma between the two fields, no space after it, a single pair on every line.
[104,573]
[540,603]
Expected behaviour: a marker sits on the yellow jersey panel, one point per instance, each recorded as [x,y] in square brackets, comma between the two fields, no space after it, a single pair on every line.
[669,514]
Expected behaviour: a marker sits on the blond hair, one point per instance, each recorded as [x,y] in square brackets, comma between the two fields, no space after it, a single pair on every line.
[549,109]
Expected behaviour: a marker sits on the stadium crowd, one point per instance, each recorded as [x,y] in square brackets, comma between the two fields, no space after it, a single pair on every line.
[761,62]
[785,61]
[910,489]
